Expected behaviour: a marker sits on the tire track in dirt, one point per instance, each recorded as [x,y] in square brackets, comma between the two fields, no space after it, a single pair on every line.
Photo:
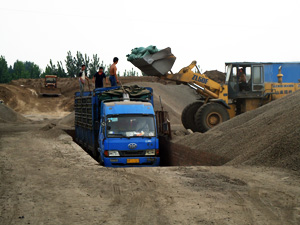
[135,198]
[247,212]
[264,208]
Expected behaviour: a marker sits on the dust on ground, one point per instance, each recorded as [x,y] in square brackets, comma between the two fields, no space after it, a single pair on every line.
[46,178]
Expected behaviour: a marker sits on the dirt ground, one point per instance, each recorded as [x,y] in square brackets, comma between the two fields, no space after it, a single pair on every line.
[46,178]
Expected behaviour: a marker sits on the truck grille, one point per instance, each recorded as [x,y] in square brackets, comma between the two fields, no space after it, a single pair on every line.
[132,153]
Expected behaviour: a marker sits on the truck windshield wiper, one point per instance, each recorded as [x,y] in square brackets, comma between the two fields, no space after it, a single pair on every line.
[118,135]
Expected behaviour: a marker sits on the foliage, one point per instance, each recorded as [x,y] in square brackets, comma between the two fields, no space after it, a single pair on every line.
[73,64]
[52,69]
[33,70]
[4,75]
[132,73]
[72,68]
[94,65]
[19,70]
[196,70]
[60,70]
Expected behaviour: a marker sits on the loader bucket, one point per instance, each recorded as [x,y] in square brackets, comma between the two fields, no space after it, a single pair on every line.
[156,64]
[50,91]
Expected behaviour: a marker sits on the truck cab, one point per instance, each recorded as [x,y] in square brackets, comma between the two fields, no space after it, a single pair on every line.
[128,134]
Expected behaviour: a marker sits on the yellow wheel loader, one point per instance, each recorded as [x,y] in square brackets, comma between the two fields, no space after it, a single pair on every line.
[50,86]
[248,86]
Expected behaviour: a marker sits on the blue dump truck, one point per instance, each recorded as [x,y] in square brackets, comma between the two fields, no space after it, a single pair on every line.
[118,126]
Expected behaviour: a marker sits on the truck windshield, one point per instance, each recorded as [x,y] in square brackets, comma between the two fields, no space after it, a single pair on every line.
[131,126]
[50,80]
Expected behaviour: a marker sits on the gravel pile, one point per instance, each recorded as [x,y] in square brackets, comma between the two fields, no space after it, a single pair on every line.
[9,115]
[267,136]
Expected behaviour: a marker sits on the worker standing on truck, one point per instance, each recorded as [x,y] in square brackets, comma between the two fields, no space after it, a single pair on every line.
[82,78]
[113,78]
[98,78]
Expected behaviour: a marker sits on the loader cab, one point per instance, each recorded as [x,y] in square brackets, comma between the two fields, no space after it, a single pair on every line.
[244,80]
[50,80]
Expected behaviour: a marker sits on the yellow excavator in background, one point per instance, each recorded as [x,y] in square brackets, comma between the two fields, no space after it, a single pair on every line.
[248,86]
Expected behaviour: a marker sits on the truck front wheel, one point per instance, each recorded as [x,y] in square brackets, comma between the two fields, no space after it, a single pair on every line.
[210,115]
[188,115]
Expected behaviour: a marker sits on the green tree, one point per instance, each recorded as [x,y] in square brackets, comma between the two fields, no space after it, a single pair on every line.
[71,66]
[106,68]
[79,61]
[131,73]
[19,71]
[196,70]
[50,69]
[33,69]
[10,71]
[60,70]
[94,65]
[4,75]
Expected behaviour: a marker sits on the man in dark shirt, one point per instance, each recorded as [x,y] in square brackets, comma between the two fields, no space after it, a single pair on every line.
[98,78]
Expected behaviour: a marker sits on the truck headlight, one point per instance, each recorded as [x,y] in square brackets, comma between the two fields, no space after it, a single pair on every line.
[150,152]
[113,153]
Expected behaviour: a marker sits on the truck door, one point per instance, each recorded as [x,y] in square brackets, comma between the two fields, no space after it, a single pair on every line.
[257,78]
[101,133]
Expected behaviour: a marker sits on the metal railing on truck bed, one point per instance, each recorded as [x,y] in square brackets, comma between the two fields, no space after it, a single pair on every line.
[85,123]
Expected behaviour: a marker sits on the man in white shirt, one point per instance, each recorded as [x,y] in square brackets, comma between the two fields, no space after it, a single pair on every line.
[82,78]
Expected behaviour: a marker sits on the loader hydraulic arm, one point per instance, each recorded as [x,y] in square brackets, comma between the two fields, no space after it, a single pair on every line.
[201,83]
[160,64]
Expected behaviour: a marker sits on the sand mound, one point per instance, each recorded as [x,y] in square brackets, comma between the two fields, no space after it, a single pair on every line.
[68,120]
[9,115]
[268,136]
[174,98]
[216,75]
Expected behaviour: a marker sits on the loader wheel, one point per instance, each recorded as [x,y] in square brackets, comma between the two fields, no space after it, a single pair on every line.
[188,115]
[210,115]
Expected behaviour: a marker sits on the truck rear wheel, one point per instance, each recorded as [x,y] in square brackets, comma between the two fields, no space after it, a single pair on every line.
[210,115]
[188,115]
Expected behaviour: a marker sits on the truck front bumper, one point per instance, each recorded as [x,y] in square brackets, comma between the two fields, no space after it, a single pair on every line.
[131,161]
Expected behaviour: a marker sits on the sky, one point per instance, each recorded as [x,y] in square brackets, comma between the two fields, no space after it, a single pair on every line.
[210,32]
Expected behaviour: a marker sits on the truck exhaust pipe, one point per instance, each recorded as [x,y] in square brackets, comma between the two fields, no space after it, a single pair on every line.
[279,75]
